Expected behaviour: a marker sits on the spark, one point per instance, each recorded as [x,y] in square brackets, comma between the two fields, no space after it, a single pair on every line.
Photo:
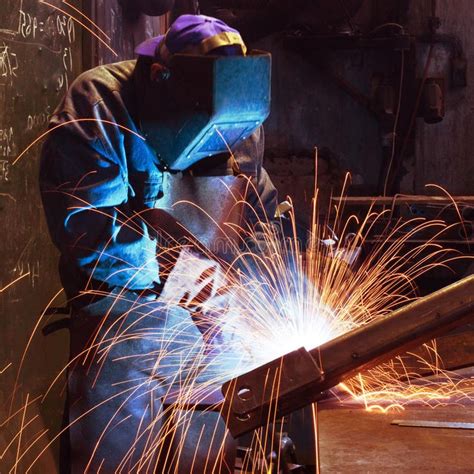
[38,139]
[283,300]
[88,19]
[14,282]
[92,32]
[21,432]
[5,368]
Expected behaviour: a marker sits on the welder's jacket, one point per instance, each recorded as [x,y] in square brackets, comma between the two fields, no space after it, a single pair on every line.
[98,174]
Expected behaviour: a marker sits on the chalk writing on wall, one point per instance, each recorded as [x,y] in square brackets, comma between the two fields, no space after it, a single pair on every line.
[8,64]
[6,142]
[40,54]
[4,170]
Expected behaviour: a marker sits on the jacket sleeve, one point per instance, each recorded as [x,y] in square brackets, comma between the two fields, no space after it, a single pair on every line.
[85,193]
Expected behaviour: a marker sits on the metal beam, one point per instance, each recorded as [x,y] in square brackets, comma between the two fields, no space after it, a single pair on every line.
[298,379]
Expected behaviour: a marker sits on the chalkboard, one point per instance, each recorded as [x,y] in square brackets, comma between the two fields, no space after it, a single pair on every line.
[128,32]
[44,45]
[40,54]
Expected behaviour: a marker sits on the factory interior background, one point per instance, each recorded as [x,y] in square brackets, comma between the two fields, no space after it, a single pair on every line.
[381,91]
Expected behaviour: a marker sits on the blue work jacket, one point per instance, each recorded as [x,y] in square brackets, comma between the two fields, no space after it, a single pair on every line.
[97,174]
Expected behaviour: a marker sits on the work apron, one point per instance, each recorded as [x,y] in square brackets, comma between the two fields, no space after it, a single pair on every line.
[211,208]
[127,353]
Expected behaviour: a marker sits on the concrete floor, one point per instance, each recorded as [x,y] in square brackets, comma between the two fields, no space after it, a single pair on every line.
[353,440]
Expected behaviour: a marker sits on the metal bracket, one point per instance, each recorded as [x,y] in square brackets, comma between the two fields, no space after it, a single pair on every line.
[252,398]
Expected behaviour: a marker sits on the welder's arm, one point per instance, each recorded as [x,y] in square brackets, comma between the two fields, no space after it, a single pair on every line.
[85,192]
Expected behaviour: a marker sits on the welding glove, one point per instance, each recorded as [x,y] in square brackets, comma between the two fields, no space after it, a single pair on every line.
[198,284]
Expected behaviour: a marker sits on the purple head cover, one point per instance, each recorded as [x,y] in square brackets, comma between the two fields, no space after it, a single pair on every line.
[193,34]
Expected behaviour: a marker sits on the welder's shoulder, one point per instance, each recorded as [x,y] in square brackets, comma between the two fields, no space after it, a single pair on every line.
[103,83]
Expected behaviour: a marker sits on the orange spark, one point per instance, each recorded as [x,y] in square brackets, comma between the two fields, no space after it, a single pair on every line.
[5,368]
[87,18]
[14,281]
[34,142]
[80,23]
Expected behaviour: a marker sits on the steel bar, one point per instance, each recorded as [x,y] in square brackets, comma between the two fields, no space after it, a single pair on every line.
[403,199]
[453,425]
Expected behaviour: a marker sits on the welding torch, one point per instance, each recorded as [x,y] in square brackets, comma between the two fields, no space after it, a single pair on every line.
[299,378]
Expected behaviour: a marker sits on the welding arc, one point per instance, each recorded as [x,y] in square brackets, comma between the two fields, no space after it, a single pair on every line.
[303,375]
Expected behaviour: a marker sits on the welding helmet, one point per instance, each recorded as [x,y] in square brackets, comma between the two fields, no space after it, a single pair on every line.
[205,94]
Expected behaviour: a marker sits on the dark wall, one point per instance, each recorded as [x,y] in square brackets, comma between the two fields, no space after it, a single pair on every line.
[42,50]
[445,151]
[40,54]
[126,28]
[322,97]
[311,107]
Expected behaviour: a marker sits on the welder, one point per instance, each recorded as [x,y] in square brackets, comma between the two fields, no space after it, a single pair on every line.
[127,142]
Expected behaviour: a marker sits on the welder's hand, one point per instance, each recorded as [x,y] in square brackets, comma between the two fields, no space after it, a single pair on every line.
[199,285]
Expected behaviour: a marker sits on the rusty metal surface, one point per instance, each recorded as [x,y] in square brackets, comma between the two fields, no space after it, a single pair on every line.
[444,151]
[404,329]
[457,212]
[356,441]
[294,373]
